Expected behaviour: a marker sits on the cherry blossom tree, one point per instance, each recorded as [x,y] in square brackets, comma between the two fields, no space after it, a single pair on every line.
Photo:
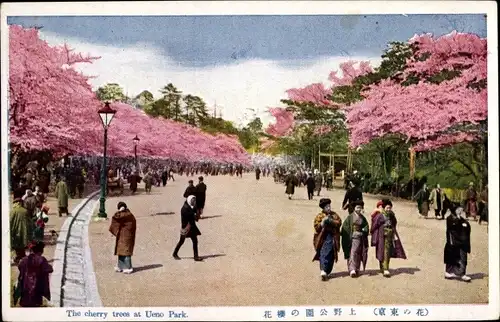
[448,92]
[52,108]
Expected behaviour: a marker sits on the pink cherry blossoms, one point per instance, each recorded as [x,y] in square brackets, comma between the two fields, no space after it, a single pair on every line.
[52,107]
[317,94]
[425,111]
[284,122]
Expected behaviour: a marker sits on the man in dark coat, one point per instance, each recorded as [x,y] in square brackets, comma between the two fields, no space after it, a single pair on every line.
[291,182]
[164,176]
[190,190]
[188,228]
[351,195]
[457,245]
[201,194]
[310,184]
[257,173]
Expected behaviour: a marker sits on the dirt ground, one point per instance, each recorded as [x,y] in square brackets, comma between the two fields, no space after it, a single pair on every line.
[258,250]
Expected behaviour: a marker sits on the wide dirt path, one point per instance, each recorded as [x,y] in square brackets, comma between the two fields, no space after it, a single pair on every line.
[258,249]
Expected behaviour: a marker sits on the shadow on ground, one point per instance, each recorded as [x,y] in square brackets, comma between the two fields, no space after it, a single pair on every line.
[206,256]
[167,213]
[208,217]
[147,267]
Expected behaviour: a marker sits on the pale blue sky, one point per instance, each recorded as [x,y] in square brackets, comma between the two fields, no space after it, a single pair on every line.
[290,40]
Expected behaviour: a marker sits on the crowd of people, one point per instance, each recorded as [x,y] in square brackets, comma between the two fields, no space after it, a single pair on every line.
[67,179]
[331,235]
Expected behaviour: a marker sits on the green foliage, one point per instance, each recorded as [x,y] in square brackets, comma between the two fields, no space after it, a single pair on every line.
[111,92]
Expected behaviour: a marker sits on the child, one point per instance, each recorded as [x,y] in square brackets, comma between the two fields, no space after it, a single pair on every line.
[40,220]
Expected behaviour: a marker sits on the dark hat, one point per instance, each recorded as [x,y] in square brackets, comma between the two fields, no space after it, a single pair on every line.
[190,181]
[200,178]
[18,193]
[323,202]
[358,203]
[121,204]
[386,202]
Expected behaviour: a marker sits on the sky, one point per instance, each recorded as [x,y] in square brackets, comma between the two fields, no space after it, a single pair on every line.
[238,63]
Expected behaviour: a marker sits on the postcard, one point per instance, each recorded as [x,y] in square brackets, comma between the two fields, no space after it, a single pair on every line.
[250,160]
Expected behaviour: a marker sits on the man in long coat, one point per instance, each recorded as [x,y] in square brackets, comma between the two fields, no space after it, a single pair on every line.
[62,195]
[21,227]
[201,196]
[351,195]
[436,199]
[291,182]
[188,228]
[123,227]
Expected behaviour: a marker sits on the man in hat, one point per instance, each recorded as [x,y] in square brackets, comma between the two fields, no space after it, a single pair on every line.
[351,195]
[326,238]
[21,226]
[355,239]
[385,237]
[188,228]
[62,195]
[310,184]
[291,182]
[201,196]
[470,202]
[190,190]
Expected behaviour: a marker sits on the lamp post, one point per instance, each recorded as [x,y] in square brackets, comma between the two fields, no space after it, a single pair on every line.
[136,143]
[106,114]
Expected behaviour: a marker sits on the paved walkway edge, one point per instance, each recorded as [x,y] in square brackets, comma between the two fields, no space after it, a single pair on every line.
[56,278]
[91,289]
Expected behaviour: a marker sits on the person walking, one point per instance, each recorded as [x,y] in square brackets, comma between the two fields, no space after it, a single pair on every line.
[326,238]
[457,245]
[123,227]
[201,196]
[190,189]
[21,227]
[188,228]
[436,200]
[310,184]
[62,195]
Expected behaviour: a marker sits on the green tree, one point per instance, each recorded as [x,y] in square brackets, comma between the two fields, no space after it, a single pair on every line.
[111,92]
[195,110]
[144,99]
[172,96]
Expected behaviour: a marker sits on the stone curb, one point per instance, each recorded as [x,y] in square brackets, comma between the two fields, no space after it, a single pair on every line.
[56,279]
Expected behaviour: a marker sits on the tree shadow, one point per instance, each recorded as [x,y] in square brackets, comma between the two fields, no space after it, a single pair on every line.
[478,276]
[166,213]
[208,217]
[405,270]
[147,267]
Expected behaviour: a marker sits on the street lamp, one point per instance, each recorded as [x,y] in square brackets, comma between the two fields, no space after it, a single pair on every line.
[106,114]
[136,143]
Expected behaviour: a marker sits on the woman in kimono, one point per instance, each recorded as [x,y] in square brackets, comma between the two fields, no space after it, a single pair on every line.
[385,237]
[123,227]
[355,239]
[33,281]
[326,238]
[457,245]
